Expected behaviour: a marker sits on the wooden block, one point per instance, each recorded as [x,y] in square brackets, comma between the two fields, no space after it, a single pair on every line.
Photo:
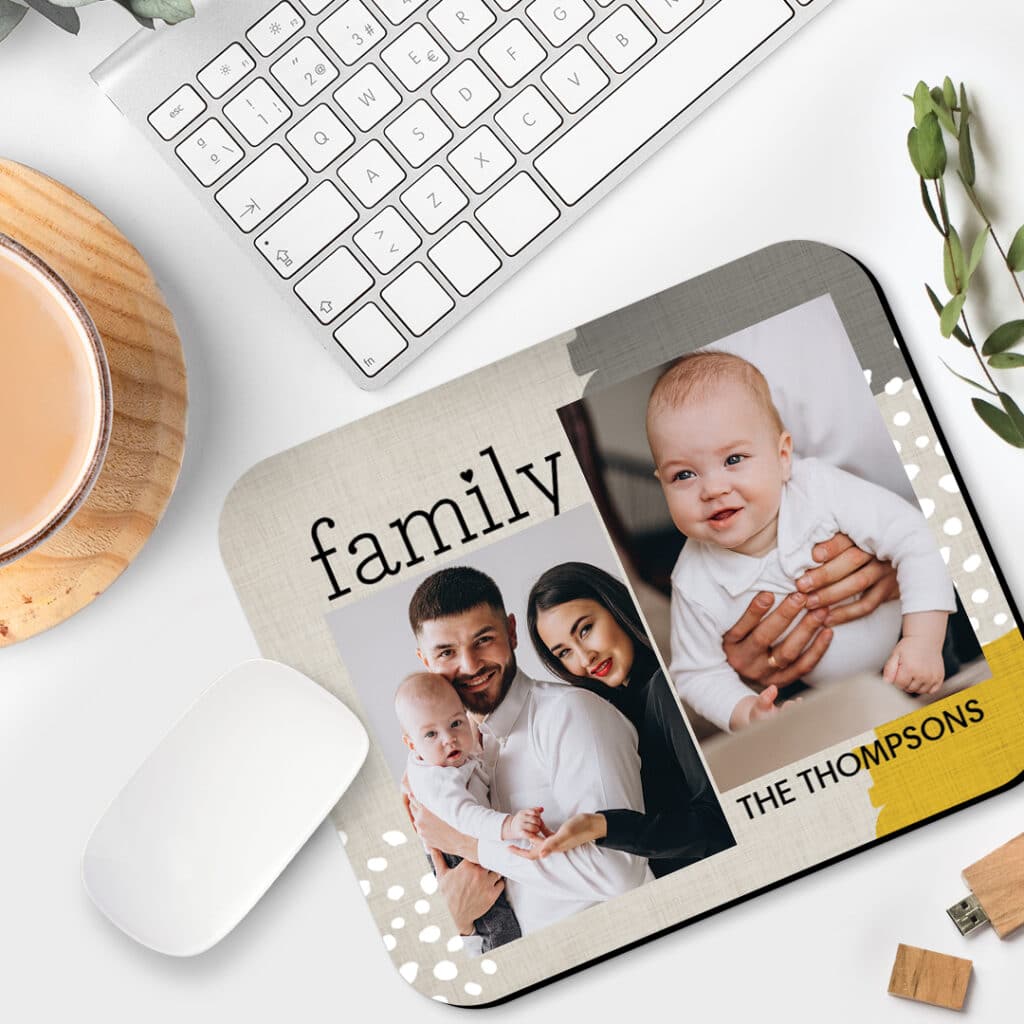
[998,882]
[930,977]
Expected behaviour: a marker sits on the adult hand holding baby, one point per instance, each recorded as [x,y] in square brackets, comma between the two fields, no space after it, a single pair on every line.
[846,571]
[468,889]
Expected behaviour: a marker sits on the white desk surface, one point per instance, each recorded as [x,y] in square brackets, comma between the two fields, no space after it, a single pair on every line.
[810,146]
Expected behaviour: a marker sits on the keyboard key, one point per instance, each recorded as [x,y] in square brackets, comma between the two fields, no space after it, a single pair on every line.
[367,97]
[256,112]
[304,71]
[528,120]
[622,39]
[320,137]
[507,5]
[371,174]
[352,31]
[512,53]
[396,11]
[434,200]
[414,57]
[559,19]
[481,159]
[575,79]
[417,299]
[690,65]
[275,28]
[387,240]
[316,6]
[465,93]
[334,285]
[517,213]
[464,259]
[176,112]
[418,133]
[226,70]
[369,340]
[209,152]
[461,21]
[266,184]
[667,14]
[309,226]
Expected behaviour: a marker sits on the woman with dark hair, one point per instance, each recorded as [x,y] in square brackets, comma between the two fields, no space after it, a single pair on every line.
[587,631]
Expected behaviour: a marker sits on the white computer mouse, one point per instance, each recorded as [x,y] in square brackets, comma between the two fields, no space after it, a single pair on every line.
[221,806]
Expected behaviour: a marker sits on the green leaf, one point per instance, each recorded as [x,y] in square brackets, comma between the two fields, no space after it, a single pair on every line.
[976,251]
[950,314]
[929,209]
[943,208]
[957,332]
[959,260]
[922,103]
[171,11]
[966,154]
[966,380]
[10,15]
[942,111]
[1015,254]
[61,15]
[1006,361]
[1013,410]
[931,149]
[1003,337]
[999,421]
[965,110]
[948,92]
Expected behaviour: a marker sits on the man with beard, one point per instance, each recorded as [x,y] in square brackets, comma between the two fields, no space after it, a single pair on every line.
[546,744]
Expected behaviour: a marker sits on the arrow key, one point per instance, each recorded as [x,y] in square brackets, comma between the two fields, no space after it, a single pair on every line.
[387,240]
[333,286]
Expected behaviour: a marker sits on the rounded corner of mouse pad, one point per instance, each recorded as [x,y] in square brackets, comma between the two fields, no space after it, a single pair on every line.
[733,297]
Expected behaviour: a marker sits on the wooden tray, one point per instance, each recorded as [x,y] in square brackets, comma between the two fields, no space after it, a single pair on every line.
[147,373]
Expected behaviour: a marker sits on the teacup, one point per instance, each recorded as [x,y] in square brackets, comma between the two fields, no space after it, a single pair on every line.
[56,404]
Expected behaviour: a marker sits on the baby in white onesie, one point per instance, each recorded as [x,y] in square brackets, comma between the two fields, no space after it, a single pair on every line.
[445,770]
[752,514]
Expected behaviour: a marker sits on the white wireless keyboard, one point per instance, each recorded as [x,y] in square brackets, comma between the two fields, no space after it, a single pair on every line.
[389,163]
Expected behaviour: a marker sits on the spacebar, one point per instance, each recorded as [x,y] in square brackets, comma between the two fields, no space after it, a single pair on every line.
[658,93]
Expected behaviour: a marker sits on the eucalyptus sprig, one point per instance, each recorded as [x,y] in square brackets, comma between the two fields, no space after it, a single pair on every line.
[64,14]
[942,112]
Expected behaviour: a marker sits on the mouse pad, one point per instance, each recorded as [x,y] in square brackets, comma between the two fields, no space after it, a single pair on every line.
[534,585]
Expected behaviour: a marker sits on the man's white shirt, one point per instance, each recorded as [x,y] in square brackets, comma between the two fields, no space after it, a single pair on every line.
[554,746]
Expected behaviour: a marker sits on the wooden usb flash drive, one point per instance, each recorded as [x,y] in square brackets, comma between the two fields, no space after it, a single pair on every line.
[930,977]
[997,891]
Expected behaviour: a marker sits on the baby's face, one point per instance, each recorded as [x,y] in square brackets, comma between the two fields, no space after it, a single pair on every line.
[439,730]
[722,463]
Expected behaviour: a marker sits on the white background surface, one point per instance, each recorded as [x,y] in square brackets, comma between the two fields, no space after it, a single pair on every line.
[811,145]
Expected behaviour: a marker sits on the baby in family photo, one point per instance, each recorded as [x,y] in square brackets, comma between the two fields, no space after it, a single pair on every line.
[752,513]
[445,769]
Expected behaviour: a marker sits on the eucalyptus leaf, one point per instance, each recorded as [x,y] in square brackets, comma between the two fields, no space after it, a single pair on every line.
[1003,337]
[957,332]
[922,103]
[171,11]
[976,251]
[942,111]
[71,3]
[929,208]
[965,110]
[949,92]
[931,149]
[966,380]
[966,154]
[972,195]
[144,22]
[999,421]
[951,313]
[935,300]
[956,250]
[1015,254]
[1013,410]
[1006,361]
[10,15]
[63,17]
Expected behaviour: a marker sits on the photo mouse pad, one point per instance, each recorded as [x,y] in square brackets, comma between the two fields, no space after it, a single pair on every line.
[642,621]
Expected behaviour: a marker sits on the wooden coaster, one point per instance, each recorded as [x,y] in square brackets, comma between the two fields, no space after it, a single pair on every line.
[929,977]
[147,373]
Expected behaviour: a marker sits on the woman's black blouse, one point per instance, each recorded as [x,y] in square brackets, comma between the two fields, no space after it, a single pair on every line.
[683,822]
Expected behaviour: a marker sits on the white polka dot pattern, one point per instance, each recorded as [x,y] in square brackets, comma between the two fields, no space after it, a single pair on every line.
[940,500]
